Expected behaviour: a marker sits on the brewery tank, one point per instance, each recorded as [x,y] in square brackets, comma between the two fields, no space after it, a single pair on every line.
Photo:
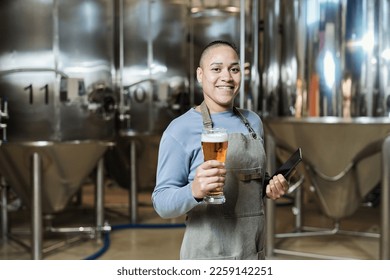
[151,76]
[159,50]
[325,88]
[56,68]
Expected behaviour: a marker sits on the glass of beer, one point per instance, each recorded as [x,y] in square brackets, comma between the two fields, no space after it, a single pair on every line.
[214,146]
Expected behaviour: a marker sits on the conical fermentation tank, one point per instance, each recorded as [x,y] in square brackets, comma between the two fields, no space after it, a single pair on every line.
[56,68]
[326,89]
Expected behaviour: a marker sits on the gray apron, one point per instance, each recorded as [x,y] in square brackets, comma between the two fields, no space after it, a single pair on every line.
[235,229]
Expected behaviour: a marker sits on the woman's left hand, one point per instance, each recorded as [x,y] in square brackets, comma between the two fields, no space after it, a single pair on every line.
[277,187]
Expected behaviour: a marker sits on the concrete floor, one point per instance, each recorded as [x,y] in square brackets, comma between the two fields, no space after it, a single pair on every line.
[162,243]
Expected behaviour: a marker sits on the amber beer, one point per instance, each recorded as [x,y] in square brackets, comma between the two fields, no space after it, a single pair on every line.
[214,146]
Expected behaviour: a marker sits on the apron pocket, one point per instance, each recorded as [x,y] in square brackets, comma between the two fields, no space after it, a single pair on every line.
[242,190]
[249,174]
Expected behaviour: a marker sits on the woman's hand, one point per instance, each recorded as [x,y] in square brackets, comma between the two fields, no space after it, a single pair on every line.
[209,176]
[277,187]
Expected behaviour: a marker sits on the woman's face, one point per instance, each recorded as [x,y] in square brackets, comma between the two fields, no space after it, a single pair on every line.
[220,77]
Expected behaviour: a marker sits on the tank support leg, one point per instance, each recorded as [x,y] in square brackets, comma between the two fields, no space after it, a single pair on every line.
[4,212]
[270,204]
[99,199]
[36,218]
[133,199]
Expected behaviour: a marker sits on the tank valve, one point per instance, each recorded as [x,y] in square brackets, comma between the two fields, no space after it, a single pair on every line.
[102,100]
[3,117]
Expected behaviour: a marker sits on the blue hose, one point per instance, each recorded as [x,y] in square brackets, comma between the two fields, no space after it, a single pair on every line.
[107,240]
[101,251]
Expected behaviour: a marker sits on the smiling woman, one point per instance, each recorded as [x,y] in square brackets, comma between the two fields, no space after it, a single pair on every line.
[233,229]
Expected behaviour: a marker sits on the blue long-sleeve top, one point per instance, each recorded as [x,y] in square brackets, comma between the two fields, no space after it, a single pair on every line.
[180,154]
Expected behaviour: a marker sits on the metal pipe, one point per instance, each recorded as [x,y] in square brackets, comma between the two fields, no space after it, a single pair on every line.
[192,63]
[36,218]
[308,233]
[121,58]
[317,231]
[255,79]
[370,73]
[385,201]
[56,38]
[150,60]
[242,51]
[99,199]
[33,69]
[270,204]
[344,232]
[308,255]
[89,230]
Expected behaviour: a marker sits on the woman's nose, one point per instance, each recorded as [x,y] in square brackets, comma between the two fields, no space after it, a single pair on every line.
[226,75]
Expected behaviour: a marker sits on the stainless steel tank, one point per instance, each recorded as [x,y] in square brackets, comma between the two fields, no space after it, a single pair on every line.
[56,69]
[332,59]
[152,63]
[326,89]
[152,79]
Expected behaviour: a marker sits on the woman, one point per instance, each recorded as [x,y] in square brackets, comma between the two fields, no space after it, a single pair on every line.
[235,229]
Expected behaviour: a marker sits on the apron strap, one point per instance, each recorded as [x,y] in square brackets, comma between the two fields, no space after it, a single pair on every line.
[208,123]
[245,121]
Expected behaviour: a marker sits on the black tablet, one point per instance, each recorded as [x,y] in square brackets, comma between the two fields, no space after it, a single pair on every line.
[290,164]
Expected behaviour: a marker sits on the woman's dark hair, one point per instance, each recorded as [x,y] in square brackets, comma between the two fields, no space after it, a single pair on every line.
[215,44]
[220,42]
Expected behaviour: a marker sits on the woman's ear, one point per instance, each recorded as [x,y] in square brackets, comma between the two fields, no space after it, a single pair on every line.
[199,72]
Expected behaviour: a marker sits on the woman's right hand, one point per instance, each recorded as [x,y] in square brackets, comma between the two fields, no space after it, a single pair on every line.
[209,176]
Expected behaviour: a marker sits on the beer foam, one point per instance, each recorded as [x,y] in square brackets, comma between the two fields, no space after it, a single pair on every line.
[215,137]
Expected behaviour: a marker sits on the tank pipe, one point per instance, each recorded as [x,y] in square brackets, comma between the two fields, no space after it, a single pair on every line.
[192,64]
[312,233]
[255,49]
[121,58]
[107,239]
[307,255]
[150,59]
[18,70]
[56,38]
[242,51]
[89,230]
